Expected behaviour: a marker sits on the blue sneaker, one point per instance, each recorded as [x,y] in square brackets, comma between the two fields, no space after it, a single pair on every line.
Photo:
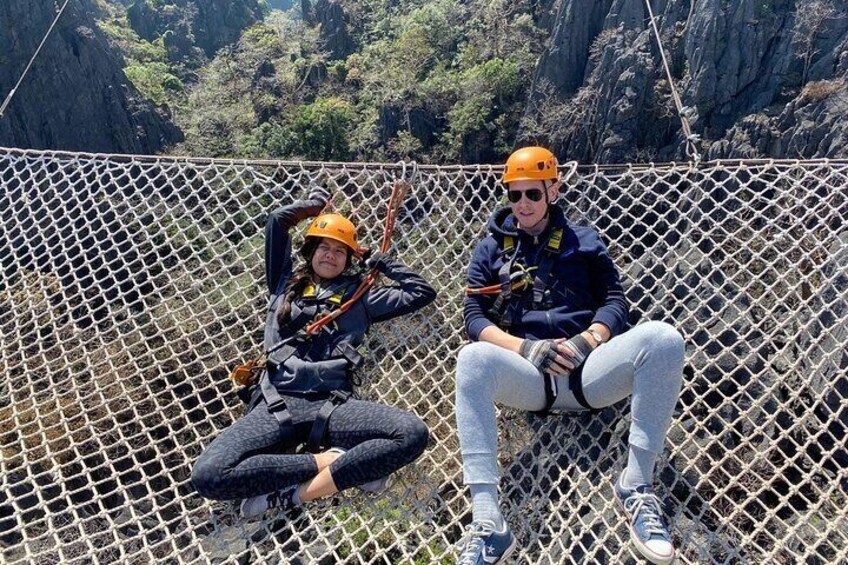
[484,546]
[647,527]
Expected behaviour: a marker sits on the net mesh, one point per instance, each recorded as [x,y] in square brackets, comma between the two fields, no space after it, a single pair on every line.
[130,286]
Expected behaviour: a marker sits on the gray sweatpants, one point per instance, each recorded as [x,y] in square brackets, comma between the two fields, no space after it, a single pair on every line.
[645,362]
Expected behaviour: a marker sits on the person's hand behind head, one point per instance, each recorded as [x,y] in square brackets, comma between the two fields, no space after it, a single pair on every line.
[377,260]
[318,194]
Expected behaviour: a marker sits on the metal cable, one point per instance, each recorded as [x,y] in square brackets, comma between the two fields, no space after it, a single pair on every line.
[691,138]
[32,60]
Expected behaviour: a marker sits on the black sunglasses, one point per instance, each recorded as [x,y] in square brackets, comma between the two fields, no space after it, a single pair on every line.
[534,194]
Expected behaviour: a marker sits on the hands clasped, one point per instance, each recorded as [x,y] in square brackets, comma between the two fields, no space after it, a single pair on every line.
[556,356]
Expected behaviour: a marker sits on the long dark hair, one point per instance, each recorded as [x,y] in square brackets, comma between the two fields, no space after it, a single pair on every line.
[297,283]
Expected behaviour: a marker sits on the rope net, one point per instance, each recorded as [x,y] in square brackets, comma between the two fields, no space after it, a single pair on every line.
[130,286]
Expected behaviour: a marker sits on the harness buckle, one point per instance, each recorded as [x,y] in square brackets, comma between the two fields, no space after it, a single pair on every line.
[521,278]
[276,405]
[339,397]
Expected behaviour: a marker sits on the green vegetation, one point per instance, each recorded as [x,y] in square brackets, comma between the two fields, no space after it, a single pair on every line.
[154,80]
[147,65]
[439,81]
[442,81]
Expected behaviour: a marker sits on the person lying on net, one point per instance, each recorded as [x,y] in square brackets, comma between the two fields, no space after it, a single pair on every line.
[304,395]
[546,314]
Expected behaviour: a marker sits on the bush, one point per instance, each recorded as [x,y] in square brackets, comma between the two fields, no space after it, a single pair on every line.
[819,90]
[154,81]
[321,130]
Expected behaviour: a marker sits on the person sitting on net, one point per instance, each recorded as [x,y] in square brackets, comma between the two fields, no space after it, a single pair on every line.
[546,314]
[304,396]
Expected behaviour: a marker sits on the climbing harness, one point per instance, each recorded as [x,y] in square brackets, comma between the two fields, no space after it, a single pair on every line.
[318,435]
[251,372]
[575,385]
[514,279]
[278,354]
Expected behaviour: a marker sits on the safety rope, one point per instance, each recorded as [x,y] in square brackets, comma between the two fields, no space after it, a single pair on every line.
[594,168]
[691,138]
[11,95]
[399,190]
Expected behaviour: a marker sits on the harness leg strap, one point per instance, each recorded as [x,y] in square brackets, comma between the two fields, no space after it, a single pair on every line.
[551,393]
[575,385]
[317,436]
[276,403]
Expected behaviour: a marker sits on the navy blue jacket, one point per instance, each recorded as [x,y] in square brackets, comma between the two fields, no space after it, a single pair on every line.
[322,362]
[584,284]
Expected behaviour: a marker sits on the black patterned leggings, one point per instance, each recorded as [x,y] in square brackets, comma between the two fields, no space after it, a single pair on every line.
[247,459]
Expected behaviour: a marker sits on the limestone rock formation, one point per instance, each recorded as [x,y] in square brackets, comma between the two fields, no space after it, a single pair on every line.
[335,39]
[76,95]
[207,25]
[812,125]
[763,79]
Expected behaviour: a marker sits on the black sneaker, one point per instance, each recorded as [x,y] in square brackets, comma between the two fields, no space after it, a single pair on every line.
[280,499]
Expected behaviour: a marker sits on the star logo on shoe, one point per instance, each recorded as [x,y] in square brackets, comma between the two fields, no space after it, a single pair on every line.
[490,554]
[486,546]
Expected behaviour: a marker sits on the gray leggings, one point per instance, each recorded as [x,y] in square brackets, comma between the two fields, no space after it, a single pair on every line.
[646,361]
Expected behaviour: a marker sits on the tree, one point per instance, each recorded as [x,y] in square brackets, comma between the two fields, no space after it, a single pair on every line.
[321,130]
[810,20]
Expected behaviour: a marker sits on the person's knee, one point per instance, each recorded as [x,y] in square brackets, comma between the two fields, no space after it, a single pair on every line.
[472,366]
[671,340]
[665,338]
[413,437]
[207,476]
[668,349]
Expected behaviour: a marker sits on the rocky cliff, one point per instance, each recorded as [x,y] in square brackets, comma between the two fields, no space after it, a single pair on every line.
[76,96]
[330,16]
[207,25]
[762,79]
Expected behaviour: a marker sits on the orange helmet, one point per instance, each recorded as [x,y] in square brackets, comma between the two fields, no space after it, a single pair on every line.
[530,163]
[334,226]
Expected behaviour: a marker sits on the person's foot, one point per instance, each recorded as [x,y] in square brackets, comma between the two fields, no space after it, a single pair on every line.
[377,485]
[647,527]
[483,545]
[280,499]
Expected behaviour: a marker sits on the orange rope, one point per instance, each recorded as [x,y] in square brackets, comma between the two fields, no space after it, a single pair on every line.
[496,288]
[399,190]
